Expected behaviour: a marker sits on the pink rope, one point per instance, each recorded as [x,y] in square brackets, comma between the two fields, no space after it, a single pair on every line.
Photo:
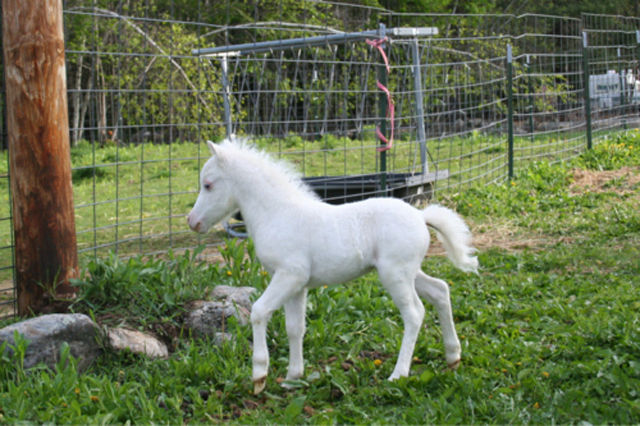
[391,106]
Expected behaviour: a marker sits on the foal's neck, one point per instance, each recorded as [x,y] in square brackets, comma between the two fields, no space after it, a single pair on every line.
[263,191]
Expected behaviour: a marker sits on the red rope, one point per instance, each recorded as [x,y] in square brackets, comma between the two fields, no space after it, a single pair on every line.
[391,107]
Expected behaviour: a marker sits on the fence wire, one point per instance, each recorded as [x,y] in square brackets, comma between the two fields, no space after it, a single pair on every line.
[141,104]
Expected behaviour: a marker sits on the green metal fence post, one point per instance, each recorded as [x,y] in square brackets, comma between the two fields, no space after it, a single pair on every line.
[638,42]
[586,91]
[531,98]
[510,109]
[383,106]
[623,89]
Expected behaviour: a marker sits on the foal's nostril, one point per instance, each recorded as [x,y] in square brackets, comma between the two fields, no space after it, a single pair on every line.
[195,227]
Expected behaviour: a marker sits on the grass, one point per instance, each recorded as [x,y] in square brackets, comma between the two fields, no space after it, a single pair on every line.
[550,330]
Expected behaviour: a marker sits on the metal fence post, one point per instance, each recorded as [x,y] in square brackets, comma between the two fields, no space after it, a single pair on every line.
[383,109]
[638,42]
[417,87]
[586,91]
[224,62]
[623,89]
[510,109]
[531,98]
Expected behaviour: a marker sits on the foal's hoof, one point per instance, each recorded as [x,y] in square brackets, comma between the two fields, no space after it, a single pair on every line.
[454,365]
[258,385]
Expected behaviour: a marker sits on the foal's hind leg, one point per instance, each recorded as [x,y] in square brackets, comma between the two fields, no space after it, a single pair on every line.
[437,293]
[399,285]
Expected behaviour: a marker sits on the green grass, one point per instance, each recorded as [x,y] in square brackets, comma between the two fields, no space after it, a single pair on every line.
[549,329]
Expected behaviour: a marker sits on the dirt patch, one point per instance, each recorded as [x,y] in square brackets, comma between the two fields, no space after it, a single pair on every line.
[621,181]
[501,234]
[505,234]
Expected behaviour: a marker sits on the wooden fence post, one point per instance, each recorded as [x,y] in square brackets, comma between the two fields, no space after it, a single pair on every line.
[40,166]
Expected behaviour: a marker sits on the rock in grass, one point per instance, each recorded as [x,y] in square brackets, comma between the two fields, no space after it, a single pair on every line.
[137,342]
[46,335]
[238,295]
[208,319]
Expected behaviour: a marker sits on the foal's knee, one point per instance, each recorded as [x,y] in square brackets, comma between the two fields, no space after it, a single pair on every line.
[413,314]
[259,314]
[419,313]
[294,328]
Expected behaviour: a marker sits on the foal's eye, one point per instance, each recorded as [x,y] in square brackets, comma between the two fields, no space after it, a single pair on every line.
[208,186]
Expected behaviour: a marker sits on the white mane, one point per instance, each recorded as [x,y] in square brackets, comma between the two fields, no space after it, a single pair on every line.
[252,162]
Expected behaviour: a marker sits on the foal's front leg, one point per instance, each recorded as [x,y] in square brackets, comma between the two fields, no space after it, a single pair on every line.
[283,286]
[294,310]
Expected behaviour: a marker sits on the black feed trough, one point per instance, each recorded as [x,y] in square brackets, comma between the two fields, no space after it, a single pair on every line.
[414,188]
[347,189]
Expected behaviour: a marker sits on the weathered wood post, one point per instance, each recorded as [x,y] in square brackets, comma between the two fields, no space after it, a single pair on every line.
[40,169]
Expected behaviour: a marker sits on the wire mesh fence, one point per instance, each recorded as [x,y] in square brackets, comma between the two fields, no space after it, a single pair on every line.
[614,82]
[483,93]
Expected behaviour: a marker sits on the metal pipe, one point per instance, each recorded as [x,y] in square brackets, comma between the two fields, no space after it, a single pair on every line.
[417,85]
[383,108]
[274,45]
[225,96]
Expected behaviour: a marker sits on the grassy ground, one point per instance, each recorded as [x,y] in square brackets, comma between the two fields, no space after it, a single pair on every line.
[549,329]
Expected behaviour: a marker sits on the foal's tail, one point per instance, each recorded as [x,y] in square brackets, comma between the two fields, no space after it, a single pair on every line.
[454,235]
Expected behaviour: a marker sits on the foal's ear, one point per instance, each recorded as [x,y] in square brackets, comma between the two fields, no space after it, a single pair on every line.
[212,148]
[216,152]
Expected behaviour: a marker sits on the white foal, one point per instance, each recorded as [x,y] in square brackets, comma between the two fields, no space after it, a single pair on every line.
[305,243]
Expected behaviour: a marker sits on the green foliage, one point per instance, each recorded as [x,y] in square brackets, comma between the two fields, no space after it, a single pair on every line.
[613,152]
[145,291]
[240,264]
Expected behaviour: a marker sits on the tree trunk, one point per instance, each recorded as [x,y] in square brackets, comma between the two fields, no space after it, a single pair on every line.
[102,104]
[75,101]
[38,126]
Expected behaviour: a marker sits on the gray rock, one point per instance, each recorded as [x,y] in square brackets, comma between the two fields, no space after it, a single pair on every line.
[209,318]
[46,335]
[221,337]
[137,342]
[238,295]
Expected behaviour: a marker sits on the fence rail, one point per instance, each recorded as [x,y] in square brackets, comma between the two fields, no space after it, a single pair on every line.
[141,103]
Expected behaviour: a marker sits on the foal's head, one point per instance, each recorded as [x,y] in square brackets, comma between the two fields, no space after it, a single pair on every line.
[215,200]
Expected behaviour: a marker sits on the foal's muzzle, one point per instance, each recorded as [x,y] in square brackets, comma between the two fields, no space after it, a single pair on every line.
[194,224]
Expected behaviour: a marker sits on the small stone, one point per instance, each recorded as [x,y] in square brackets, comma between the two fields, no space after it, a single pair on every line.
[210,318]
[219,338]
[238,295]
[137,342]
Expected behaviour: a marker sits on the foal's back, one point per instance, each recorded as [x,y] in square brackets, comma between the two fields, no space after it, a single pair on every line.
[343,242]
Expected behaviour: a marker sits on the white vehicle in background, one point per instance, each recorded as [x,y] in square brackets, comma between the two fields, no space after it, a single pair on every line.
[611,89]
